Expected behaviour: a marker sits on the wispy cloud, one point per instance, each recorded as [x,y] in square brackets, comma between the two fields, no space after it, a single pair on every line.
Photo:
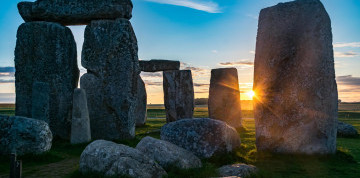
[341,45]
[7,69]
[201,5]
[348,80]
[237,63]
[214,51]
[7,81]
[345,54]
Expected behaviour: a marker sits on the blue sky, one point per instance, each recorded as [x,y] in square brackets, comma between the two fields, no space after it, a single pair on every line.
[204,34]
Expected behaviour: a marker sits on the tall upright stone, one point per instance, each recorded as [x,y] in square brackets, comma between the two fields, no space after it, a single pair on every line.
[46,52]
[141,107]
[40,101]
[110,57]
[80,124]
[296,104]
[178,94]
[224,96]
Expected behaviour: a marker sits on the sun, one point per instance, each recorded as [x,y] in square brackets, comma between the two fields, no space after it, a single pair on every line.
[251,94]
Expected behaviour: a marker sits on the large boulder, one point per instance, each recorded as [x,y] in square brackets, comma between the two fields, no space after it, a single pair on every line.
[204,137]
[22,135]
[46,52]
[167,154]
[40,101]
[178,94]
[156,65]
[141,107]
[296,92]
[74,12]
[111,159]
[346,130]
[80,124]
[237,170]
[224,96]
[110,57]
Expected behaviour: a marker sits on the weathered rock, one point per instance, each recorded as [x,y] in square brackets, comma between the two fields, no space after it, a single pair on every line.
[296,104]
[178,94]
[74,12]
[156,65]
[238,170]
[110,57]
[204,137]
[346,130]
[111,159]
[22,135]
[46,52]
[80,124]
[140,111]
[168,154]
[224,96]
[40,101]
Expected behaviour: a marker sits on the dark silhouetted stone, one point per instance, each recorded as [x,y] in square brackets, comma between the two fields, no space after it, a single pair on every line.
[110,57]
[296,93]
[224,96]
[346,130]
[40,101]
[237,170]
[80,124]
[74,12]
[156,65]
[140,111]
[46,52]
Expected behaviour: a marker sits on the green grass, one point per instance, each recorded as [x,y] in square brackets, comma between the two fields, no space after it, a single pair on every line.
[345,163]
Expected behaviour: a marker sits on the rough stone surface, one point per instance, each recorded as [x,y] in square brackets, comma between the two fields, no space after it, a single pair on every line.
[168,154]
[237,170]
[110,57]
[40,101]
[178,94]
[224,96]
[156,65]
[204,137]
[346,130]
[46,52]
[111,159]
[296,104]
[74,12]
[140,111]
[22,135]
[80,124]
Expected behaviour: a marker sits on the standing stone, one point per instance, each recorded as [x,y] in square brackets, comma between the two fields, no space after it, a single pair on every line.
[224,96]
[46,52]
[74,12]
[22,135]
[110,57]
[296,104]
[140,111]
[40,101]
[80,125]
[178,95]
[156,65]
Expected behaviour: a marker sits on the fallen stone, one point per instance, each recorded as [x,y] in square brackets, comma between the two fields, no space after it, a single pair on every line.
[80,125]
[40,101]
[141,111]
[74,12]
[178,94]
[156,65]
[224,96]
[46,52]
[110,57]
[296,92]
[111,159]
[167,154]
[204,137]
[237,170]
[22,135]
[346,130]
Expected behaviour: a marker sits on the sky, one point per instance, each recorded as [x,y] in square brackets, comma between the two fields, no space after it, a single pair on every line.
[203,35]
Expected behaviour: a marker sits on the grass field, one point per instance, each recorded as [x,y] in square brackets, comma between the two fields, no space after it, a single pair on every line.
[63,159]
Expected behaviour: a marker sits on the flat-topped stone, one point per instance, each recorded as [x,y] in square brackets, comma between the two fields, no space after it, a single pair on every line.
[74,12]
[80,124]
[141,107]
[156,65]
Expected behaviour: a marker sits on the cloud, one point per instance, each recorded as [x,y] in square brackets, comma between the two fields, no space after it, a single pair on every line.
[151,74]
[255,17]
[238,63]
[7,81]
[214,51]
[153,83]
[352,44]
[201,5]
[348,80]
[252,52]
[7,69]
[201,85]
[345,54]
